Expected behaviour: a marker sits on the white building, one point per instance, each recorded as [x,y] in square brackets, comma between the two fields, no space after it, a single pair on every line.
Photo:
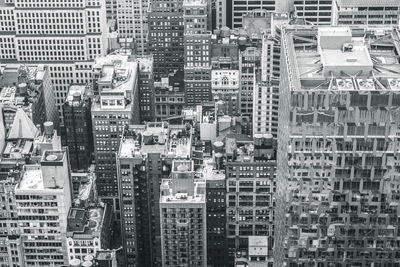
[43,198]
[66,35]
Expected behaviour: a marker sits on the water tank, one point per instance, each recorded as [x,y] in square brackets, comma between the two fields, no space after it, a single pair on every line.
[242,40]
[268,139]
[148,138]
[258,138]
[218,159]
[75,263]
[87,264]
[218,147]
[88,257]
[22,88]
[76,97]
[48,127]
[225,31]
[161,138]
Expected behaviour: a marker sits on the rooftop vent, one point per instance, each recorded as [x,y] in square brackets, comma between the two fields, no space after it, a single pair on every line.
[345,84]
[394,84]
[365,84]
[347,47]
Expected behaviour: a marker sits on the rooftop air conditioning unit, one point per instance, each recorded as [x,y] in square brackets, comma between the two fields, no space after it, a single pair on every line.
[366,84]
[345,84]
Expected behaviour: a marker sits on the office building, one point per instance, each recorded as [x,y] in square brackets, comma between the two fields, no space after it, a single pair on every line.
[29,88]
[145,158]
[183,217]
[88,232]
[169,97]
[78,126]
[65,35]
[219,14]
[369,13]
[317,12]
[165,38]
[197,38]
[258,253]
[116,105]
[43,198]
[132,24]
[338,131]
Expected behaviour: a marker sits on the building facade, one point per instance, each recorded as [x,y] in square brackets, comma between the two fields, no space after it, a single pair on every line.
[183,217]
[337,153]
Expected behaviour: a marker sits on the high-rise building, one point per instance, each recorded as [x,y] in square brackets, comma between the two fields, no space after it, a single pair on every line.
[317,12]
[183,217]
[197,39]
[374,13]
[337,149]
[29,88]
[241,8]
[111,9]
[43,197]
[78,126]
[219,14]
[146,87]
[116,106]
[65,35]
[145,158]
[132,24]
[165,38]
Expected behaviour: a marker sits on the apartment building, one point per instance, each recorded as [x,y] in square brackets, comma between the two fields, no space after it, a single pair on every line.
[78,126]
[116,106]
[183,217]
[65,35]
[43,198]
[369,13]
[337,153]
[145,158]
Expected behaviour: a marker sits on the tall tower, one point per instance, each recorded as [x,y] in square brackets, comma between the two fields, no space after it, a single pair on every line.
[337,191]
[197,73]
[65,35]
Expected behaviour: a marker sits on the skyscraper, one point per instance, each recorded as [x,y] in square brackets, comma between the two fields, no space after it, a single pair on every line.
[145,158]
[165,20]
[116,106]
[66,35]
[132,24]
[337,152]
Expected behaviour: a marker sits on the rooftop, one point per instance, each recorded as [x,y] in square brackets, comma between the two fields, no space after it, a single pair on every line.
[210,171]
[156,137]
[85,222]
[32,178]
[75,93]
[332,58]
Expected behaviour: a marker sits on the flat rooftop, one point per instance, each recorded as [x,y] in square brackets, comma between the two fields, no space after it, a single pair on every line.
[31,179]
[334,59]
[156,137]
[198,197]
[209,170]
[367,3]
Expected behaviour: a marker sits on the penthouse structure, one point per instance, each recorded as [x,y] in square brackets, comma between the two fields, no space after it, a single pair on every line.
[145,158]
[88,232]
[338,136]
[370,13]
[78,126]
[67,36]
[43,198]
[29,88]
[183,217]
[116,105]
